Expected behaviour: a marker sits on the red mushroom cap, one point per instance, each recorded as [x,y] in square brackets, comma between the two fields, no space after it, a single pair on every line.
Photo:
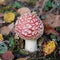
[29,26]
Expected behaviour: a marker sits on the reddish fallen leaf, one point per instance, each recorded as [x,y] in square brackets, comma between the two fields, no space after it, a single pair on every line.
[49,29]
[53,20]
[8,56]
[1,14]
[4,30]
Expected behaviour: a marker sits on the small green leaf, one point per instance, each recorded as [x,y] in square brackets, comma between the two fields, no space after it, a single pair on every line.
[48,5]
[17,5]
[11,42]
[52,36]
[23,52]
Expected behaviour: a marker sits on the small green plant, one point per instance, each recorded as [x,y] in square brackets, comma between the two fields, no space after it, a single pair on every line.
[48,5]
[52,36]
[11,43]
[17,5]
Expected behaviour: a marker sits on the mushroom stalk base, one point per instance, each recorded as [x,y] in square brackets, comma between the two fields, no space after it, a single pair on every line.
[31,45]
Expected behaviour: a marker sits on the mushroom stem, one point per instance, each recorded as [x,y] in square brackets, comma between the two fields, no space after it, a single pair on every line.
[31,45]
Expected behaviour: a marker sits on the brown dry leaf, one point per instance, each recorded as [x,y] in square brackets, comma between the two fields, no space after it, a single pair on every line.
[52,20]
[4,30]
[11,26]
[23,58]
[49,29]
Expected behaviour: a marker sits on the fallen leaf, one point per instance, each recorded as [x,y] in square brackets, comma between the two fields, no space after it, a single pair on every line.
[4,30]
[49,29]
[8,56]
[48,47]
[52,20]
[1,14]
[11,26]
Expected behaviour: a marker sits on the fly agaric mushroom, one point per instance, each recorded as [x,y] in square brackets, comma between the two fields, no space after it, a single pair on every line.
[29,27]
